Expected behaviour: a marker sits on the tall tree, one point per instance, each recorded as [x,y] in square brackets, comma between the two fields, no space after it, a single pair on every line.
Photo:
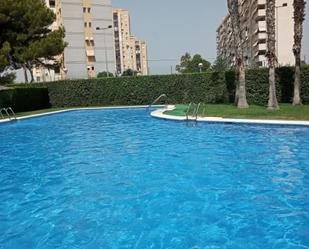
[25,26]
[271,53]
[299,17]
[221,65]
[5,77]
[193,64]
[240,96]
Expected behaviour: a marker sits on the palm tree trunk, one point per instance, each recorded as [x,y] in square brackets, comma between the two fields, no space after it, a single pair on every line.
[299,17]
[242,98]
[240,94]
[272,99]
[271,53]
[296,98]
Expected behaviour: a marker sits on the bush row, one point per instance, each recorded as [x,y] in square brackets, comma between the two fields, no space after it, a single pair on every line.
[25,99]
[210,88]
[207,87]
[257,85]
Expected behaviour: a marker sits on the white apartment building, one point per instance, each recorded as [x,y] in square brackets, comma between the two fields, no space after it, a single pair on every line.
[130,52]
[253,25]
[89,50]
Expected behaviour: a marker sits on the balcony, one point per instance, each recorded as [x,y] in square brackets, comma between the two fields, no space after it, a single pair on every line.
[261,14]
[262,35]
[262,47]
[90,52]
[261,2]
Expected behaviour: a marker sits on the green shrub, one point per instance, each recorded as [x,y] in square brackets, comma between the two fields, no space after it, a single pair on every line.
[257,85]
[25,99]
[208,87]
[212,87]
[305,85]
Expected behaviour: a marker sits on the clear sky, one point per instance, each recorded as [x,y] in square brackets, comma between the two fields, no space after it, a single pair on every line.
[173,27]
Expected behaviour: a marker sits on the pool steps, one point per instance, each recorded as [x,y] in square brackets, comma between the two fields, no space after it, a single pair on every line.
[10,114]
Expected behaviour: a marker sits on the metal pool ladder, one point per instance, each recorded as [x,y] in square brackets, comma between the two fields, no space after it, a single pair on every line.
[157,100]
[192,112]
[9,113]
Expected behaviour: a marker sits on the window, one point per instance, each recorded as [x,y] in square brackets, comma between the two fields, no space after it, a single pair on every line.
[52,3]
[89,24]
[92,68]
[84,10]
[85,24]
[89,9]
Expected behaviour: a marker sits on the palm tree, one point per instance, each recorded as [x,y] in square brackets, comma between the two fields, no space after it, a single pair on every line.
[240,96]
[271,52]
[299,17]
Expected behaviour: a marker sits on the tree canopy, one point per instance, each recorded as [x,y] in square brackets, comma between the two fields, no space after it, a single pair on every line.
[193,64]
[221,65]
[26,37]
[104,74]
[129,72]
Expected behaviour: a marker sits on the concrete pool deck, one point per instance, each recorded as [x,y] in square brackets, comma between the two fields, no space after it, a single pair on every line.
[160,113]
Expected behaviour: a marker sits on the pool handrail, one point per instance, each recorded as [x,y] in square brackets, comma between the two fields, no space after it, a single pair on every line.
[157,99]
[197,110]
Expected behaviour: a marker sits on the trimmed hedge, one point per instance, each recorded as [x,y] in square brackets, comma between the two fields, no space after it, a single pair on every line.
[207,87]
[25,99]
[257,85]
[188,88]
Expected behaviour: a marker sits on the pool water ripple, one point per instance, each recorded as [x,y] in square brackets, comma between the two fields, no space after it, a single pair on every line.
[121,179]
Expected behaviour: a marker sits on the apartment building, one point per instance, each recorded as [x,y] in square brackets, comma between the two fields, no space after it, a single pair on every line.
[130,52]
[254,33]
[90,38]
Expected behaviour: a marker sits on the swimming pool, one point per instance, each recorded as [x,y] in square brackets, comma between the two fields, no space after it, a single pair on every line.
[121,179]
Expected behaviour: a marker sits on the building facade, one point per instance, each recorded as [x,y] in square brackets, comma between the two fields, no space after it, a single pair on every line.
[130,53]
[254,33]
[90,38]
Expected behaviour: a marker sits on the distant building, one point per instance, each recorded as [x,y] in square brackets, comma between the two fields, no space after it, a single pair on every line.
[89,51]
[130,52]
[253,27]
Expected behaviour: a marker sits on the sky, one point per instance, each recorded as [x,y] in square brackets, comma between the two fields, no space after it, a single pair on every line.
[173,27]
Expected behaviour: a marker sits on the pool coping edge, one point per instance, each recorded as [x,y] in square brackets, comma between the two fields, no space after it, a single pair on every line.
[77,109]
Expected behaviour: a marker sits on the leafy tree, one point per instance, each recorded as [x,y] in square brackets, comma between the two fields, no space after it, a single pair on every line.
[4,55]
[104,75]
[299,18]
[129,72]
[7,78]
[240,96]
[221,65]
[25,27]
[271,53]
[190,64]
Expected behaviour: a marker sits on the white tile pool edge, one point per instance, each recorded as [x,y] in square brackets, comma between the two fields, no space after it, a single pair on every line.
[160,114]
[76,109]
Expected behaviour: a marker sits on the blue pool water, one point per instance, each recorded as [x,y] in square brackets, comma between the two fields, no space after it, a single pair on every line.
[120,179]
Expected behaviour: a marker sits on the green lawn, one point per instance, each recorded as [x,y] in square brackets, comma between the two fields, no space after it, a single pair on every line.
[287,112]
